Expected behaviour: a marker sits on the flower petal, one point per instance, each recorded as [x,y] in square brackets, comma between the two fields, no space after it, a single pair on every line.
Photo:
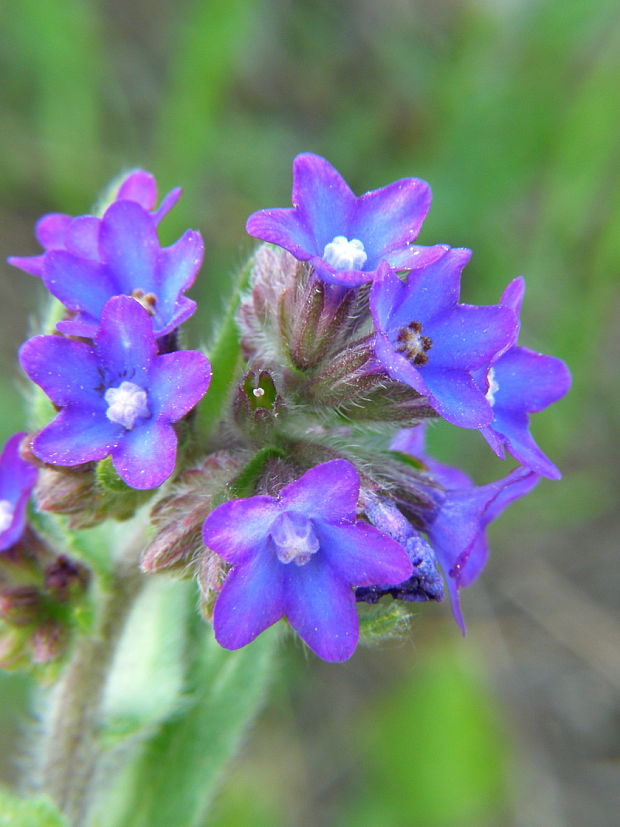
[129,245]
[178,381]
[238,529]
[454,395]
[285,228]
[390,217]
[323,199]
[513,430]
[429,292]
[327,492]
[529,381]
[83,236]
[177,266]
[80,284]
[145,456]
[468,337]
[320,606]
[415,256]
[77,435]
[363,556]
[51,230]
[251,600]
[16,475]
[138,186]
[66,370]
[125,343]
[33,265]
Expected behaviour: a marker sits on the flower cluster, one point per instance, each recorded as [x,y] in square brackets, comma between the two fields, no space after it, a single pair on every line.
[282,504]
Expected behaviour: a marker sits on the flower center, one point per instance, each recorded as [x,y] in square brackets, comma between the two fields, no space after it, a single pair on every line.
[493,387]
[343,254]
[7,511]
[126,403]
[412,344]
[294,538]
[147,300]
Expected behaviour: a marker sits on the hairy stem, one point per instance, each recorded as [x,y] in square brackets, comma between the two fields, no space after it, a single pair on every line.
[71,749]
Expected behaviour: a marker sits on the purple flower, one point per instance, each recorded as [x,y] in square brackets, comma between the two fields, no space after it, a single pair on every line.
[117,397]
[457,531]
[342,236]
[78,236]
[521,382]
[427,340]
[17,479]
[298,556]
[457,527]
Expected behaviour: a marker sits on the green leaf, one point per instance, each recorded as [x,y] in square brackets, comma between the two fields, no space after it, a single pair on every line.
[175,773]
[28,812]
[226,359]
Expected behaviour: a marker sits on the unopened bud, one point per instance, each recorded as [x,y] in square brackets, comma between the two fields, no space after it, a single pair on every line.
[49,641]
[20,605]
[65,579]
[179,517]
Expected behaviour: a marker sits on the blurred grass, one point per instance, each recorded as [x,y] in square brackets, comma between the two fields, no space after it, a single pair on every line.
[510,110]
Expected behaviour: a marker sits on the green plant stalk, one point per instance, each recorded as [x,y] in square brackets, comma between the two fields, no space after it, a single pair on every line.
[71,747]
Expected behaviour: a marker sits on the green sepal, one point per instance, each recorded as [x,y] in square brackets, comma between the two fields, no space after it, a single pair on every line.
[385,620]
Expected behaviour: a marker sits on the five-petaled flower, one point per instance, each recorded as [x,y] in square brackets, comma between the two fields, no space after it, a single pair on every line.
[17,478]
[299,555]
[78,235]
[345,237]
[427,340]
[521,382]
[118,397]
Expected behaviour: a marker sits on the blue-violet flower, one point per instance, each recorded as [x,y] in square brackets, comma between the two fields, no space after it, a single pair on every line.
[518,383]
[427,340]
[17,478]
[457,527]
[342,236]
[78,235]
[117,397]
[299,556]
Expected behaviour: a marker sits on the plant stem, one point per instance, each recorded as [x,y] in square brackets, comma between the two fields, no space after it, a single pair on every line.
[71,749]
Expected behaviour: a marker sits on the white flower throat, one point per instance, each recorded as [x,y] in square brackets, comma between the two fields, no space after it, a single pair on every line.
[294,538]
[6,515]
[126,403]
[345,254]
[493,387]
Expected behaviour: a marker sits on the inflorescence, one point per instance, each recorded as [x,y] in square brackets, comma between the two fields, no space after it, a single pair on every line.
[310,491]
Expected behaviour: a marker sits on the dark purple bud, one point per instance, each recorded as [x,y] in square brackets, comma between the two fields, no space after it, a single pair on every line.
[65,579]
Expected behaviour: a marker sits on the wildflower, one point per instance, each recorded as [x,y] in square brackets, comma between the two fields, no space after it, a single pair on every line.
[78,235]
[345,237]
[17,479]
[117,397]
[427,340]
[521,382]
[298,556]
[457,526]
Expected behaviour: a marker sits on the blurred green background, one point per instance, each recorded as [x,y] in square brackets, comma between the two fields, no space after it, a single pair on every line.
[510,110]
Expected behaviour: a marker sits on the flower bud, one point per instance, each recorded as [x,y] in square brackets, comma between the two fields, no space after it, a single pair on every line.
[68,491]
[65,579]
[20,605]
[178,517]
[257,404]
[350,374]
[49,641]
